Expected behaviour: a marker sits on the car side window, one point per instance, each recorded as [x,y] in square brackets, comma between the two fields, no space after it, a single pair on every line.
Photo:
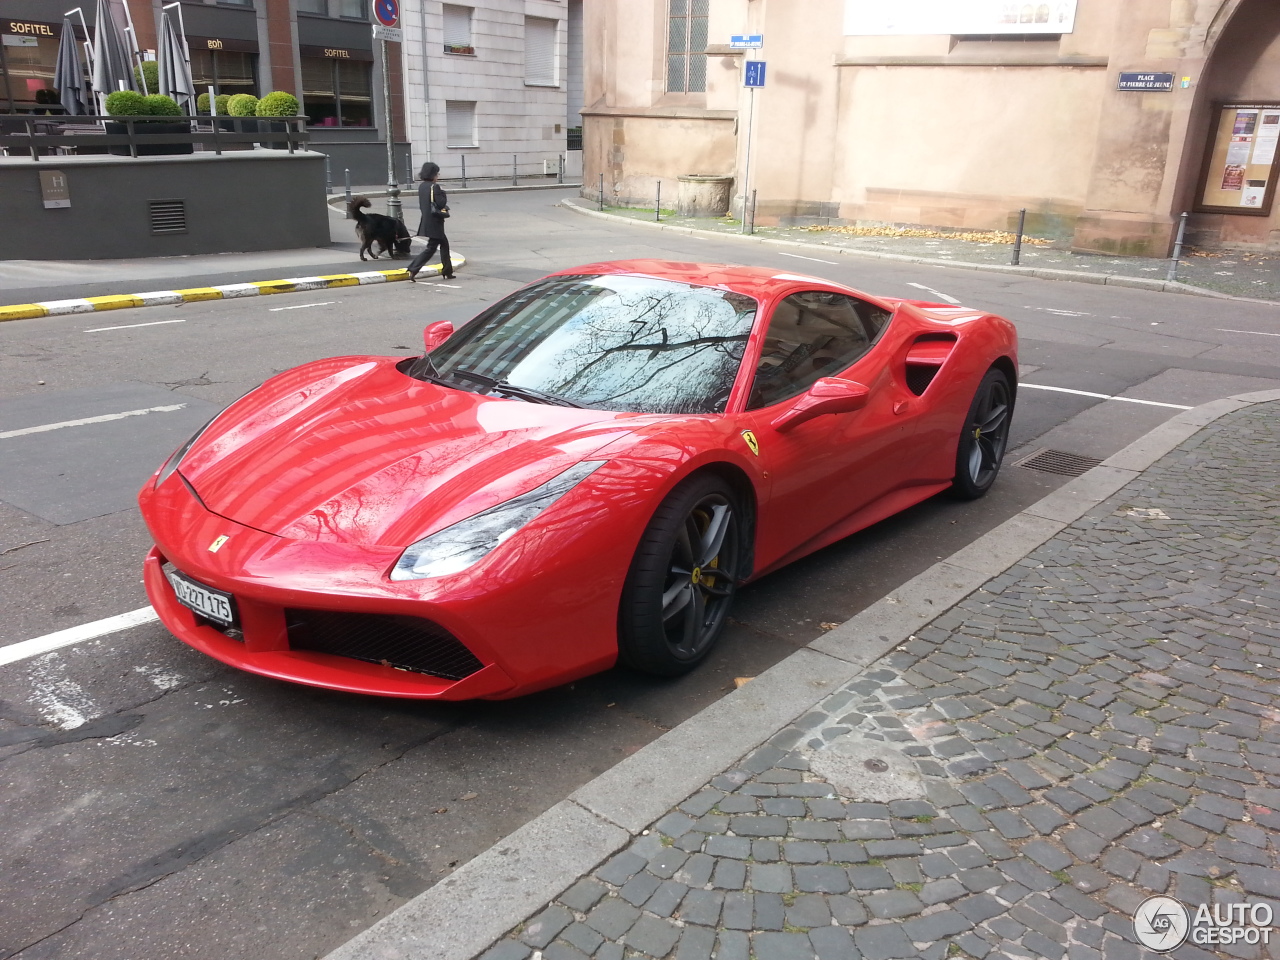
[812,334]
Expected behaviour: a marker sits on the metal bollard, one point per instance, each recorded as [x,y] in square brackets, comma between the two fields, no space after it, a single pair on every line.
[600,195]
[347,171]
[753,213]
[1017,241]
[515,180]
[328,175]
[560,168]
[1172,275]
[464,171]
[657,203]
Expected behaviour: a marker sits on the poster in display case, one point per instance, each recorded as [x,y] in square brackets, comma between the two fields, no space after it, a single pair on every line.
[1240,167]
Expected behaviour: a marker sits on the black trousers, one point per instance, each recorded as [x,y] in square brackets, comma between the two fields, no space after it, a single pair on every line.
[443,243]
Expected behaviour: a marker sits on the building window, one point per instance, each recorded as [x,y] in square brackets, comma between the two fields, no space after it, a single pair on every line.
[337,93]
[460,123]
[227,71]
[353,9]
[540,52]
[320,7]
[686,41]
[457,29]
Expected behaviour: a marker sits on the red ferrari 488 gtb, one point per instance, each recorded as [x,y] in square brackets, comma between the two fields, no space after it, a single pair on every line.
[584,474]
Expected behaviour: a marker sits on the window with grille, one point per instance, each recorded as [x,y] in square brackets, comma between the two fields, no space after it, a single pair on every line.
[686,43]
[457,29]
[540,51]
[460,123]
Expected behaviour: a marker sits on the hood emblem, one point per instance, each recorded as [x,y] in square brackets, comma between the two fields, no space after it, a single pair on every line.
[752,443]
[217,544]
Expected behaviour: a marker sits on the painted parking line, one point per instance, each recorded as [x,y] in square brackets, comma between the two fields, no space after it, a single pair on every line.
[45,427]
[1256,333]
[797,256]
[229,291]
[937,293]
[303,306]
[26,649]
[130,326]
[1104,396]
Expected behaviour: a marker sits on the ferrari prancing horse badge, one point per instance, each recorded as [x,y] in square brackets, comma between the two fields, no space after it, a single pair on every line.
[217,544]
[752,443]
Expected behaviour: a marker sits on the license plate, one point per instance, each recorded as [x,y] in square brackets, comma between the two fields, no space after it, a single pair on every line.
[206,601]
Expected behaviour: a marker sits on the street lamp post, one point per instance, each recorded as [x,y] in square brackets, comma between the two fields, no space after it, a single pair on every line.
[386,27]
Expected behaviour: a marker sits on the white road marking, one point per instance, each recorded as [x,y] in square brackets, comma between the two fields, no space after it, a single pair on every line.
[814,259]
[1064,313]
[130,326]
[45,427]
[61,700]
[1256,333]
[1104,396]
[64,638]
[303,306]
[936,293]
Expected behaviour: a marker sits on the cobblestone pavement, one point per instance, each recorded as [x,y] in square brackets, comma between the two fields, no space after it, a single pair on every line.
[1095,726]
[1255,275]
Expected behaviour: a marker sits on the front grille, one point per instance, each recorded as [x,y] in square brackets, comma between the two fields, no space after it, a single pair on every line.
[1059,462]
[408,643]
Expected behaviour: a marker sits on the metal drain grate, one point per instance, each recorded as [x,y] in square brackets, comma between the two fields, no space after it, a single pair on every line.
[1059,462]
[168,216]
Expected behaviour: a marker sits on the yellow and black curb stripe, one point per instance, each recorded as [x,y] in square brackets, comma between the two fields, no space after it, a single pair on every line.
[229,291]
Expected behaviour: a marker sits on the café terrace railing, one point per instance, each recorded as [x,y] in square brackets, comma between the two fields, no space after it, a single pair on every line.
[59,135]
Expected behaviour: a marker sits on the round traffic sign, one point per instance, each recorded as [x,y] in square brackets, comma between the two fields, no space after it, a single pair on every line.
[387,12]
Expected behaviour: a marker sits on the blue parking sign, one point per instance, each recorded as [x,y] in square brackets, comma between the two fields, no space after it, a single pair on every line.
[754,76]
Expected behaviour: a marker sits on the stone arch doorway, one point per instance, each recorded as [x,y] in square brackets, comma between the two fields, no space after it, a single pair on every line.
[1242,68]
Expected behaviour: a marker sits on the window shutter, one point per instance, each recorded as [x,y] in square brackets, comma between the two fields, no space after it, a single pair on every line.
[460,123]
[540,51]
[457,26]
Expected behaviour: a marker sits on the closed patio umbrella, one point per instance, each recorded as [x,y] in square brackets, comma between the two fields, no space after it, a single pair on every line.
[112,64]
[68,74]
[175,71]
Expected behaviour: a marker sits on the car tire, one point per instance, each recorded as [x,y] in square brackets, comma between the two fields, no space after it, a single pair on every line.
[682,579]
[985,436]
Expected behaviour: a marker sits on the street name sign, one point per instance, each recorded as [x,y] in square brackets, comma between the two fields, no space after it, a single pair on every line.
[752,41]
[1160,82]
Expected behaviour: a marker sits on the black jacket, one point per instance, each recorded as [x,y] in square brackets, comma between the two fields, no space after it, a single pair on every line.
[429,226]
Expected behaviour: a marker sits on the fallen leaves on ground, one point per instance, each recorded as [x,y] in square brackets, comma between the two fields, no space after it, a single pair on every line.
[985,236]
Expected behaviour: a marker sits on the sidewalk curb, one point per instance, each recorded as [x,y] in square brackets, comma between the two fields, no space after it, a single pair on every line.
[462,915]
[229,291]
[1108,279]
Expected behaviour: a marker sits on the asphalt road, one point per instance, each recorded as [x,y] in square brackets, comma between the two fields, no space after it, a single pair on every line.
[158,805]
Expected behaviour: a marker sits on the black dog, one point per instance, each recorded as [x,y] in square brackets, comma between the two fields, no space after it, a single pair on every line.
[387,232]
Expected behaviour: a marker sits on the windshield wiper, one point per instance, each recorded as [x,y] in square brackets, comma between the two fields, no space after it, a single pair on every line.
[512,390]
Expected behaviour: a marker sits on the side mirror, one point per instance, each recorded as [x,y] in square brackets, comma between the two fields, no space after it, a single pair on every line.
[828,395]
[436,334]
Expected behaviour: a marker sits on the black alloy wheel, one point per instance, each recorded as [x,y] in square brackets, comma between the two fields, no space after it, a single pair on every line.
[682,580]
[984,437]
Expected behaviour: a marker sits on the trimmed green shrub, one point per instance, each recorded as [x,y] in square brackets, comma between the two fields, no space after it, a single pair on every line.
[243,105]
[220,101]
[202,104]
[158,105]
[127,103]
[149,69]
[278,104]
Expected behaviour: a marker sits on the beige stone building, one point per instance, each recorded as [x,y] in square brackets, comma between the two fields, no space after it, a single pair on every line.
[1105,119]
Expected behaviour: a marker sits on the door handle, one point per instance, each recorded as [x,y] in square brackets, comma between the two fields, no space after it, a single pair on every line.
[901,406]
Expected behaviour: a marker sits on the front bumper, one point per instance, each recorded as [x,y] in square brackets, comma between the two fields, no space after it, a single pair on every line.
[520,621]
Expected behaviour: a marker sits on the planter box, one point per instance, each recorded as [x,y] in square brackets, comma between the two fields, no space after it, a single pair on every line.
[115,127]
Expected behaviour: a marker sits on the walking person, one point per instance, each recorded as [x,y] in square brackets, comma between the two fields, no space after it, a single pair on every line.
[434,204]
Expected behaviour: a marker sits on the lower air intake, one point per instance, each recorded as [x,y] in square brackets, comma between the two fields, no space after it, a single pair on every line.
[408,643]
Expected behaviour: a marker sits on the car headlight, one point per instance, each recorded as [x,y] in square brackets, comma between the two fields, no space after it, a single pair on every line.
[467,542]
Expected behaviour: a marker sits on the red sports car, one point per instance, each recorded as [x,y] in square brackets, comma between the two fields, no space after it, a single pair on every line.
[582,475]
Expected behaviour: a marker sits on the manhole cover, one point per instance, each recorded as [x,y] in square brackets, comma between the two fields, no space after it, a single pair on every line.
[876,766]
[1058,461]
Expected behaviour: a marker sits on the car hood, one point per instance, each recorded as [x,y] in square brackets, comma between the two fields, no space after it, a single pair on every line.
[352,450]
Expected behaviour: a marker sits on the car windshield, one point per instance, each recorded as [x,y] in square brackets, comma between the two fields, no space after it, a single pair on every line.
[612,342]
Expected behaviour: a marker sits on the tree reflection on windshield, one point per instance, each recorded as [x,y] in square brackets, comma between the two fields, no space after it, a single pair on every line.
[610,342]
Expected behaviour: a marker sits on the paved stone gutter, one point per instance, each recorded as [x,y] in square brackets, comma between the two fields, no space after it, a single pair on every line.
[1094,726]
